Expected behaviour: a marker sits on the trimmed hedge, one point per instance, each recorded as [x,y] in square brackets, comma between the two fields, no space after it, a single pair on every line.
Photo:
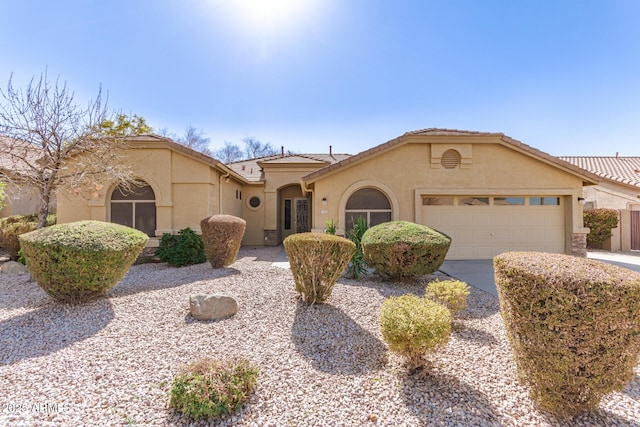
[185,248]
[222,236]
[317,260]
[401,249]
[80,261]
[413,326]
[600,222]
[213,389]
[452,294]
[13,226]
[574,325]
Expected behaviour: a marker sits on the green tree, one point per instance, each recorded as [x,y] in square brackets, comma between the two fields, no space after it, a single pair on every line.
[52,141]
[2,195]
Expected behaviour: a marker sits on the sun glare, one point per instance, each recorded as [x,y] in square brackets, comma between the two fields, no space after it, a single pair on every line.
[270,15]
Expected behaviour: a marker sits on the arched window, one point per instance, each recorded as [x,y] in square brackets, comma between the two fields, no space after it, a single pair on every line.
[135,209]
[370,204]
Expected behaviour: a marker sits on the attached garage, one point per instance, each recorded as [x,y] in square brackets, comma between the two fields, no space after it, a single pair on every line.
[482,227]
[487,191]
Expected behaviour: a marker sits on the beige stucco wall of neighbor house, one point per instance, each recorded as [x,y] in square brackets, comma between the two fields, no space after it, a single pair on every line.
[406,172]
[22,201]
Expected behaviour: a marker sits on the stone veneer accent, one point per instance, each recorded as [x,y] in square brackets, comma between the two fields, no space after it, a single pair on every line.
[579,244]
[270,237]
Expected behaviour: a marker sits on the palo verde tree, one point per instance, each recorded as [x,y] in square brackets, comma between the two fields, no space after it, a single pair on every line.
[51,141]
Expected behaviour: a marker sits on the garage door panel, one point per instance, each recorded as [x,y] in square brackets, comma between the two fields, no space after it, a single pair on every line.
[481,232]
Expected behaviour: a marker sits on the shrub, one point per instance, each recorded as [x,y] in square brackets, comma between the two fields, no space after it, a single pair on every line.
[81,261]
[316,261]
[600,222]
[573,324]
[331,227]
[13,226]
[212,389]
[185,248]
[357,266]
[450,293]
[400,249]
[222,236]
[412,326]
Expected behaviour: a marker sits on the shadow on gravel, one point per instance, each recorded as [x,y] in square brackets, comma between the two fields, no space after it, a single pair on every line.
[437,399]
[633,389]
[475,335]
[334,343]
[22,294]
[153,277]
[51,328]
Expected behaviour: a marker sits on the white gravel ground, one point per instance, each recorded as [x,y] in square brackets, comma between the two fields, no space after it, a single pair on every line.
[111,362]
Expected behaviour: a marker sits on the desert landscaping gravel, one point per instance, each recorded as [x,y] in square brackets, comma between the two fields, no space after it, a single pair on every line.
[111,362]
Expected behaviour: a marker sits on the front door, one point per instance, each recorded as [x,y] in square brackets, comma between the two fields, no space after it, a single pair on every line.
[302,216]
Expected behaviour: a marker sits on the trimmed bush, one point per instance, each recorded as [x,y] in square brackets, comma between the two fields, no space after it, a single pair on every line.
[185,248]
[222,237]
[452,294]
[413,326]
[600,222]
[212,389]
[13,226]
[401,249]
[317,260]
[80,261]
[573,324]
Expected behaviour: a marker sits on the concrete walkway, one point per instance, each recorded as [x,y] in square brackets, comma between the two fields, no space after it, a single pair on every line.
[479,273]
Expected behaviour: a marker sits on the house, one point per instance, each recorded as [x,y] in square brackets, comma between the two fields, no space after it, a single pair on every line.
[489,192]
[619,189]
[20,199]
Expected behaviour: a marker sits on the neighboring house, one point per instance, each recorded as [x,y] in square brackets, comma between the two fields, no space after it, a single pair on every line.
[619,189]
[20,199]
[489,192]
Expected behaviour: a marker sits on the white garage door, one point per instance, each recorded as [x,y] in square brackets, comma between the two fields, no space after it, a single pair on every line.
[483,227]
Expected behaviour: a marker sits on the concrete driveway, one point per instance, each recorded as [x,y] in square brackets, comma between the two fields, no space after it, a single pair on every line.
[479,273]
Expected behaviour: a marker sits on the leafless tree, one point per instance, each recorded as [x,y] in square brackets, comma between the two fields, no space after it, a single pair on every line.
[229,153]
[254,148]
[195,139]
[49,141]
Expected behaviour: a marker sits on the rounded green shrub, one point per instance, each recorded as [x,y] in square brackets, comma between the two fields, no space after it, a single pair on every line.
[185,248]
[401,249]
[80,261]
[452,294]
[600,222]
[317,260]
[212,389]
[222,236]
[413,326]
[13,226]
[573,324]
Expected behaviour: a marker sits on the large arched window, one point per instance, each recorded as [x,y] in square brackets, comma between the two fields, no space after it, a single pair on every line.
[135,209]
[370,204]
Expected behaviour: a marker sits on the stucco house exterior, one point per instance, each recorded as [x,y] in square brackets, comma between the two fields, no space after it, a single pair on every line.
[20,199]
[619,189]
[489,192]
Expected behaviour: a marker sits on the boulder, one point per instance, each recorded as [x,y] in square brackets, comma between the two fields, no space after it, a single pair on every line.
[13,267]
[213,306]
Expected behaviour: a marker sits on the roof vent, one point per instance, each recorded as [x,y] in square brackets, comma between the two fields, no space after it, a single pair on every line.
[450,159]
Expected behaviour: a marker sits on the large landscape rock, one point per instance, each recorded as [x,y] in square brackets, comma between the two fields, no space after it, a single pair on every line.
[13,267]
[212,307]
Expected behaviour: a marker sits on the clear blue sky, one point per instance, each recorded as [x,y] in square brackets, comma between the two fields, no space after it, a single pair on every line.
[560,75]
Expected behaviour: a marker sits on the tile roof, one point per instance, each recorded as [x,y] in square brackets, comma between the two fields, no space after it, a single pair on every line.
[587,176]
[251,169]
[624,170]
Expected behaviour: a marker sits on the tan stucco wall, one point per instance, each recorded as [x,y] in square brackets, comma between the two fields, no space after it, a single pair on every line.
[22,201]
[186,191]
[406,171]
[609,195]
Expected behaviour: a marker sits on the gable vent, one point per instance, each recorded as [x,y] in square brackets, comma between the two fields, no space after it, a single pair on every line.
[450,159]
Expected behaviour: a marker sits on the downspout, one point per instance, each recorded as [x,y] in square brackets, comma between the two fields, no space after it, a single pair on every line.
[305,190]
[226,179]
